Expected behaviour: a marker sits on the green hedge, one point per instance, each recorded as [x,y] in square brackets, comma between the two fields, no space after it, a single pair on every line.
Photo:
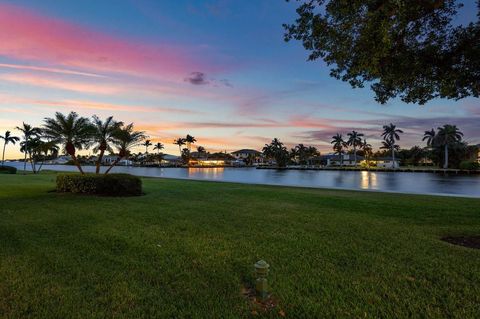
[109,185]
[470,165]
[8,170]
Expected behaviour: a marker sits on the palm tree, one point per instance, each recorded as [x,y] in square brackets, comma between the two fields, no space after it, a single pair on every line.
[158,147]
[147,144]
[388,145]
[28,132]
[367,150]
[448,135]
[71,131]
[126,139]
[201,149]
[180,142]
[300,151]
[355,140]
[338,145]
[278,151]
[103,137]
[391,133]
[190,140]
[8,138]
[430,137]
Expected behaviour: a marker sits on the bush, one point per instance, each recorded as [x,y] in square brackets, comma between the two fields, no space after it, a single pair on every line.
[109,185]
[470,165]
[8,170]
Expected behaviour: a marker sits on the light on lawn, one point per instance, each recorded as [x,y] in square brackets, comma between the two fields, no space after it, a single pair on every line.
[261,284]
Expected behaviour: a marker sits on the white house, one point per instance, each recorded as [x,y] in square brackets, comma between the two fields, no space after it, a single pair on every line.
[385,162]
[244,154]
[345,160]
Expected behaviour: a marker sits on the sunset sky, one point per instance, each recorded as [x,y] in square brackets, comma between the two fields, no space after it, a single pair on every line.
[218,70]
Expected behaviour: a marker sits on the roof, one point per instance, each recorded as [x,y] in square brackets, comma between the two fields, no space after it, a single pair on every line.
[246,150]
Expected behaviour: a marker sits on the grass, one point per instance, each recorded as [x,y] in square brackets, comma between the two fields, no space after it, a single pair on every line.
[186,250]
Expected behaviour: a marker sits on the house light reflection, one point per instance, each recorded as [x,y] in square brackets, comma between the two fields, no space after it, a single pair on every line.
[368,180]
[210,172]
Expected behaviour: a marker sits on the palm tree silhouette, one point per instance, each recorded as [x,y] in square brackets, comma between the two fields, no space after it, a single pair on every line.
[147,144]
[28,132]
[190,140]
[158,147]
[430,137]
[72,131]
[8,138]
[103,137]
[126,139]
[448,135]
[338,145]
[355,140]
[391,134]
[180,142]
[367,150]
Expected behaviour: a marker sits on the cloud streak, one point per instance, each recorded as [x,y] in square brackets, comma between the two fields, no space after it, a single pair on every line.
[26,35]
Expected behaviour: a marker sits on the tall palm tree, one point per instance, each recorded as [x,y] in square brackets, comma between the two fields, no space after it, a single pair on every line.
[158,147]
[448,135]
[28,132]
[430,137]
[103,137]
[147,144]
[301,152]
[180,142]
[338,146]
[71,131]
[354,140]
[391,133]
[126,139]
[367,149]
[190,140]
[8,138]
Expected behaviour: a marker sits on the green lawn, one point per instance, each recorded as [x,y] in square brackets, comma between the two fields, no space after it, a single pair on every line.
[186,250]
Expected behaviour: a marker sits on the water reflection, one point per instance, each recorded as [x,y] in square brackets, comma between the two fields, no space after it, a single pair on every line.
[421,183]
[209,172]
[368,180]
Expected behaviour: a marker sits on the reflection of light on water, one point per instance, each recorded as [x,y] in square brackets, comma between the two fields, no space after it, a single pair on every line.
[209,172]
[368,180]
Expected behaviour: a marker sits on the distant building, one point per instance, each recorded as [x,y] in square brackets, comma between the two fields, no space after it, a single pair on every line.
[384,162]
[345,160]
[249,156]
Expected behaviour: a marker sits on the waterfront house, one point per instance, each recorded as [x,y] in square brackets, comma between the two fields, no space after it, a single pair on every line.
[249,156]
[384,162]
[345,160]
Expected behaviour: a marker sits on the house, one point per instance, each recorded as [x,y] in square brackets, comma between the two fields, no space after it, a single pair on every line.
[384,162]
[248,155]
[345,160]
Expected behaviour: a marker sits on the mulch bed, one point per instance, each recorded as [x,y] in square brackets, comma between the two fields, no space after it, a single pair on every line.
[465,241]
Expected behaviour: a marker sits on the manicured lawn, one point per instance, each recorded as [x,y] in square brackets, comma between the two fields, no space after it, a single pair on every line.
[186,250]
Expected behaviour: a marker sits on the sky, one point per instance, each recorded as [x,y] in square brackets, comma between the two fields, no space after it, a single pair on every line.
[218,70]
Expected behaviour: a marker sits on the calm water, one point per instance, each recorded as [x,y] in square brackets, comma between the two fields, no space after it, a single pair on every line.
[418,183]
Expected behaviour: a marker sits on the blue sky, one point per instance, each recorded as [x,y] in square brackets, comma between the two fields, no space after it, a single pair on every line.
[218,70]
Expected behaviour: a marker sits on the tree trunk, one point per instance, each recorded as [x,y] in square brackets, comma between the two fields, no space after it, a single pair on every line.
[393,158]
[25,161]
[99,161]
[445,164]
[113,164]
[3,155]
[77,163]
[355,155]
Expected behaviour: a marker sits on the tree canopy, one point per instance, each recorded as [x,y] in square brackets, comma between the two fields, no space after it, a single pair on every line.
[414,50]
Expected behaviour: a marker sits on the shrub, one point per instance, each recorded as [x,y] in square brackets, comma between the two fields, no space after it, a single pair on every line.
[109,185]
[8,170]
[470,165]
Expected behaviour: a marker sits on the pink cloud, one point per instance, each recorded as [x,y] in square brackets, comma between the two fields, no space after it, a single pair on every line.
[56,83]
[27,35]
